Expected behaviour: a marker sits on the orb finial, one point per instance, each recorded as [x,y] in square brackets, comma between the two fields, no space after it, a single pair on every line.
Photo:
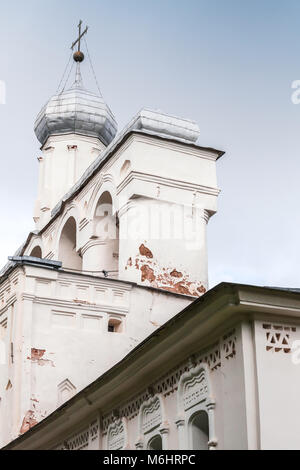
[78,55]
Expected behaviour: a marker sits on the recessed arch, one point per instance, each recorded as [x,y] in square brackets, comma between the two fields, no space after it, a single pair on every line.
[36,252]
[67,253]
[195,404]
[199,430]
[106,230]
[106,183]
[155,443]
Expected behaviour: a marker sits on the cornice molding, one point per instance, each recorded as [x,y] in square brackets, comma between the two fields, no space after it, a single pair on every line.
[167,182]
[108,308]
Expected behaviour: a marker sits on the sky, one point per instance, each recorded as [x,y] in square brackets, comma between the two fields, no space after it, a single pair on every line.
[227,64]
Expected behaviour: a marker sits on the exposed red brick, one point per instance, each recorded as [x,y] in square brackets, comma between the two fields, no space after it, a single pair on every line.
[37,357]
[175,273]
[201,289]
[28,422]
[181,289]
[144,251]
[147,274]
[37,354]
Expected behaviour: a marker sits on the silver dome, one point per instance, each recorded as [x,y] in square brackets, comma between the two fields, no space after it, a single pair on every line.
[76,111]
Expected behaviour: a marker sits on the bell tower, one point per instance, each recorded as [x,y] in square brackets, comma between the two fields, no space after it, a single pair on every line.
[73,128]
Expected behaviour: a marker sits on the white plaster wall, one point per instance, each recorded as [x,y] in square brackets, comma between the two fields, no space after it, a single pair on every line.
[158,249]
[61,332]
[278,386]
[163,194]
[64,159]
[227,388]
[64,316]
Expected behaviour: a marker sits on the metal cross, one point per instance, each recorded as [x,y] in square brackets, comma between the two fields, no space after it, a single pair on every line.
[80,35]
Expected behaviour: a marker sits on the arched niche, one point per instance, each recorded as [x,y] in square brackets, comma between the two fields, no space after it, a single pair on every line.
[195,406]
[67,253]
[155,443]
[36,252]
[199,430]
[101,253]
[104,184]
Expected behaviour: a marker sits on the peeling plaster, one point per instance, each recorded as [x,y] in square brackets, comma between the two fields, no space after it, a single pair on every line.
[28,422]
[37,356]
[167,278]
[175,273]
[83,302]
[147,274]
[144,251]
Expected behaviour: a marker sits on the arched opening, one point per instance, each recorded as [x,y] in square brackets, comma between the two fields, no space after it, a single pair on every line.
[155,443]
[115,325]
[67,246]
[107,231]
[199,431]
[36,252]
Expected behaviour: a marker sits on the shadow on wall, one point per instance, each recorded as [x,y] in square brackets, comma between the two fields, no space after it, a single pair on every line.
[36,252]
[67,253]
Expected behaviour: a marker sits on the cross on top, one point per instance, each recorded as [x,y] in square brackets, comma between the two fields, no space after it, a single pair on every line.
[78,55]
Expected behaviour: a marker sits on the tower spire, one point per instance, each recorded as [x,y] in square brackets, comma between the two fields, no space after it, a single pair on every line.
[78,55]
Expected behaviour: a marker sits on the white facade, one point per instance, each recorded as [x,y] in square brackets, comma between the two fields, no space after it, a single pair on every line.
[220,375]
[55,327]
[63,161]
[160,195]
[128,223]
[109,336]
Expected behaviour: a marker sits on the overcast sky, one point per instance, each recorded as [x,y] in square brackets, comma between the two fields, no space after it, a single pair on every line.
[228,64]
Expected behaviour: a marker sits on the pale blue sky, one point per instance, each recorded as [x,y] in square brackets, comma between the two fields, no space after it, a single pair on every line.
[228,64]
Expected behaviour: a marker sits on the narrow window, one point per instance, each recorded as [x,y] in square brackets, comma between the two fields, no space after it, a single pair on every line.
[115,325]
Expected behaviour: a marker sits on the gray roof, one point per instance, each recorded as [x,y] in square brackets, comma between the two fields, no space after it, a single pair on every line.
[77,111]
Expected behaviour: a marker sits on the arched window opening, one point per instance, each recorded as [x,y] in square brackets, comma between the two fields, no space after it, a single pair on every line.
[36,252]
[67,246]
[199,431]
[107,230]
[115,325]
[155,443]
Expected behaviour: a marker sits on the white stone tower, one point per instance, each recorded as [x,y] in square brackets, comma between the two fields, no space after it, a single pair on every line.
[119,248]
[73,127]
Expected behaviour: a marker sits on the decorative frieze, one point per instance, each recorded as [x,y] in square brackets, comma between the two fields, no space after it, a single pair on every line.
[117,435]
[83,440]
[278,337]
